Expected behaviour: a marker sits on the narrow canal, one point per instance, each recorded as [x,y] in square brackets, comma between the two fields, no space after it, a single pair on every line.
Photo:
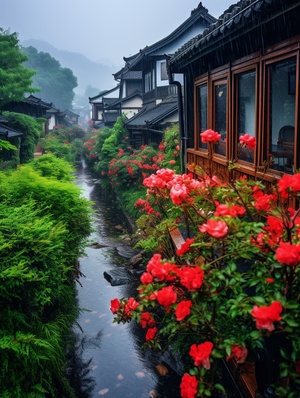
[117,367]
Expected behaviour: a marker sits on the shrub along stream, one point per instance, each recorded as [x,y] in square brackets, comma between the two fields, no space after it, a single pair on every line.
[44,222]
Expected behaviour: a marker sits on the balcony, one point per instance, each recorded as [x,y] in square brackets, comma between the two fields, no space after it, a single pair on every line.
[160,93]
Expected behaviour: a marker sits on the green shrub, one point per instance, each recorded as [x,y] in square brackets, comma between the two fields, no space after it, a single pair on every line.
[31,128]
[50,166]
[43,225]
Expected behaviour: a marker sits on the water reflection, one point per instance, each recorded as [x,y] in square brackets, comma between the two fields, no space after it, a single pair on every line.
[114,366]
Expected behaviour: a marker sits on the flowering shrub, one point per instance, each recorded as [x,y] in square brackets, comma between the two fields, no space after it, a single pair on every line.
[231,285]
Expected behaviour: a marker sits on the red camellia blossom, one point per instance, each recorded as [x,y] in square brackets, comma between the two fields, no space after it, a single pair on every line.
[185,247]
[131,305]
[146,278]
[200,354]
[179,193]
[183,309]
[151,332]
[210,136]
[158,269]
[146,320]
[269,280]
[217,229]
[114,305]
[263,202]
[248,140]
[266,315]
[223,210]
[166,296]
[239,353]
[191,277]
[188,386]
[288,254]
[288,184]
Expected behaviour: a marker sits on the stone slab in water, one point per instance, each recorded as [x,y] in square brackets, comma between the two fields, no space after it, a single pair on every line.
[117,277]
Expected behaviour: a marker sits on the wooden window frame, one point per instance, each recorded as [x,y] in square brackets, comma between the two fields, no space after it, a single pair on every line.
[234,114]
[198,83]
[267,62]
[258,62]
[217,79]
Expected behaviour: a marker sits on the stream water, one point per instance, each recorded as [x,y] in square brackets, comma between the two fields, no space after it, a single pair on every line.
[116,366]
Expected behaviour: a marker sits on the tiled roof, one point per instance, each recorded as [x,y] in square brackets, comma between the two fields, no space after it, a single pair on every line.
[149,116]
[118,101]
[126,74]
[37,101]
[102,94]
[236,17]
[133,75]
[196,14]
[6,132]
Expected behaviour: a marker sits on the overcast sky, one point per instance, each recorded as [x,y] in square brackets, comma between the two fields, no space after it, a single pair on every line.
[102,30]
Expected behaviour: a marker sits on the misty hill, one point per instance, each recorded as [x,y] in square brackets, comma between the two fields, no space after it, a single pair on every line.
[88,73]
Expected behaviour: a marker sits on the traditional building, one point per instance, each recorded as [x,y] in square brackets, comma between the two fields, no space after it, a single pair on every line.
[144,93]
[241,75]
[97,103]
[160,101]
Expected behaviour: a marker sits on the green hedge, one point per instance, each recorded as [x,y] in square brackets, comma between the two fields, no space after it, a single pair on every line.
[43,225]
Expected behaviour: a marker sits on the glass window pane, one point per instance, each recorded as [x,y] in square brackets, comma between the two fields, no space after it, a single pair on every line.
[246,111]
[202,112]
[282,114]
[220,116]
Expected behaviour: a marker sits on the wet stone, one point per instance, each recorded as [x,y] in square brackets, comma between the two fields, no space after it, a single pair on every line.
[117,277]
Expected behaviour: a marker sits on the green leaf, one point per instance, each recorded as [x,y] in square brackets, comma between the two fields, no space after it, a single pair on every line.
[259,300]
[219,387]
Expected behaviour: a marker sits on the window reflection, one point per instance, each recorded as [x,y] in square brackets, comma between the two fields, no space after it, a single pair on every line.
[202,112]
[220,116]
[246,111]
[282,114]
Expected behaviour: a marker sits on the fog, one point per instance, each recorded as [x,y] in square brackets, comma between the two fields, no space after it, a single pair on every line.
[102,30]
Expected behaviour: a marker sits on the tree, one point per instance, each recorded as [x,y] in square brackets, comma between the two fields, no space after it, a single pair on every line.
[56,83]
[15,78]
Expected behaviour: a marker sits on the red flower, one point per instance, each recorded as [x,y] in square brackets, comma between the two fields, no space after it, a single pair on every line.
[160,270]
[263,202]
[223,210]
[151,333]
[166,296]
[146,320]
[188,386]
[146,278]
[185,247]
[248,140]
[217,229]
[289,183]
[239,353]
[114,305]
[210,136]
[269,280]
[191,277]
[178,193]
[266,315]
[131,305]
[200,354]
[183,309]
[288,253]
